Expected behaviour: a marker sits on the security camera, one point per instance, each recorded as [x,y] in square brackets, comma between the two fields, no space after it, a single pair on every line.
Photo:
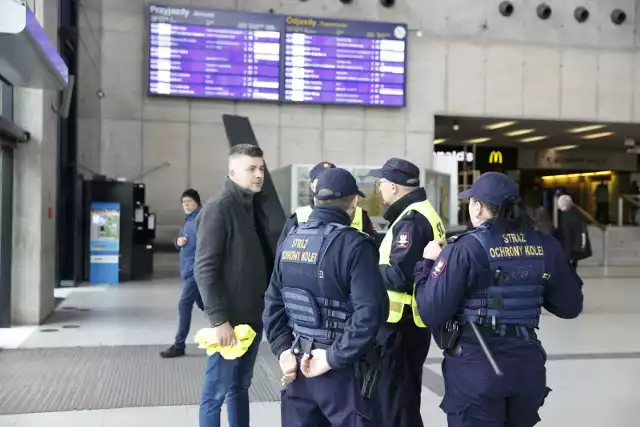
[581,14]
[618,16]
[388,3]
[506,8]
[543,11]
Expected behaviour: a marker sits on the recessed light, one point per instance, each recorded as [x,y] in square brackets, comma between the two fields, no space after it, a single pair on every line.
[519,132]
[477,140]
[596,135]
[565,147]
[499,125]
[534,138]
[586,128]
[439,140]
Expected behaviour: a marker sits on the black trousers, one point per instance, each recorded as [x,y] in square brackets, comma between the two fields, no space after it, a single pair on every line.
[574,265]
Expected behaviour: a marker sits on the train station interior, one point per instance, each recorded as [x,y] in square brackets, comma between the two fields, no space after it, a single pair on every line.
[111,109]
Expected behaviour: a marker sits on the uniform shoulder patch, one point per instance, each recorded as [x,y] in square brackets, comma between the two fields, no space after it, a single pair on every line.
[438,267]
[403,241]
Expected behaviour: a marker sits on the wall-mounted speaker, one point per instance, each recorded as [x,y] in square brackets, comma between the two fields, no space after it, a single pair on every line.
[581,14]
[543,11]
[618,17]
[506,8]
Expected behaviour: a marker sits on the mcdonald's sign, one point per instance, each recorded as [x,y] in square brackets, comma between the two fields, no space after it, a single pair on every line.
[495,157]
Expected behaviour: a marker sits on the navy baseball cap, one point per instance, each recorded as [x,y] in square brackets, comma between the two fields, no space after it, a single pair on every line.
[335,183]
[493,188]
[398,171]
[315,171]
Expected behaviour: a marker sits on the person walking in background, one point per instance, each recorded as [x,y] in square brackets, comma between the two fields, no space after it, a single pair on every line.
[634,191]
[572,232]
[186,244]
[601,196]
[234,260]
[543,221]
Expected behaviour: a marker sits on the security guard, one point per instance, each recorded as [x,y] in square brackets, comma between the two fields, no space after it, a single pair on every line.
[414,223]
[495,279]
[326,301]
[361,220]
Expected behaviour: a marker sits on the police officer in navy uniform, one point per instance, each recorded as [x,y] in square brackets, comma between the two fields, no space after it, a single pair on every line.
[323,309]
[497,276]
[360,220]
[414,223]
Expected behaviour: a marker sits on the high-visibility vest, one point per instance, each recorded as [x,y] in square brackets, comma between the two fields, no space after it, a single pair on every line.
[397,300]
[304,212]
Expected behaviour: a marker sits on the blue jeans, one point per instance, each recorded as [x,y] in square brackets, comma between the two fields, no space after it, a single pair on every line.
[230,379]
[190,294]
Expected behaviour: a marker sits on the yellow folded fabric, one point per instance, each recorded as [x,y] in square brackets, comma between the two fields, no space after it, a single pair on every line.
[206,338]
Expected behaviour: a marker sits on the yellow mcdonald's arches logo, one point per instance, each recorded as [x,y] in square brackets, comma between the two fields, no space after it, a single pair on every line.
[495,157]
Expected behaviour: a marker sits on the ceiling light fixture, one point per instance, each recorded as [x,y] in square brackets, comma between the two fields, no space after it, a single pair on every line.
[439,140]
[596,135]
[499,125]
[534,138]
[586,128]
[519,132]
[577,175]
[565,147]
[477,140]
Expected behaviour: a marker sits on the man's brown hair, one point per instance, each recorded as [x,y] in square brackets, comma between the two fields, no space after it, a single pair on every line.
[246,150]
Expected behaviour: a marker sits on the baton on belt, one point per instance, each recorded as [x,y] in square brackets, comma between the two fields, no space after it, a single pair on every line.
[486,350]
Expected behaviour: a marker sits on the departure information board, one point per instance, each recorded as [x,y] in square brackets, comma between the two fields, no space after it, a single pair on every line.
[342,62]
[204,53]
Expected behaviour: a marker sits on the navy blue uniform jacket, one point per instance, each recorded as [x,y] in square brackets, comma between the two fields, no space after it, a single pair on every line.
[188,251]
[441,293]
[350,265]
[399,275]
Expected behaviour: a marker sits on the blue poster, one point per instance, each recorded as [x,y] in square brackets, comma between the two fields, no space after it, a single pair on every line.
[104,244]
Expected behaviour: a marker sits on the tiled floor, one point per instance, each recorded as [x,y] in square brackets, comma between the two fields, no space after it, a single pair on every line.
[595,360]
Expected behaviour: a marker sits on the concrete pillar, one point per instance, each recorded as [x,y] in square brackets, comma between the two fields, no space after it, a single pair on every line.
[35,166]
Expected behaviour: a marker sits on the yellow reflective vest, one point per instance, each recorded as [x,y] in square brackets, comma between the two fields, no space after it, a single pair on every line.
[397,300]
[304,212]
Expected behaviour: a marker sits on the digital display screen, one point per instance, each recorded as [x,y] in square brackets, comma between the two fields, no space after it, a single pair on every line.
[214,54]
[342,62]
[204,53]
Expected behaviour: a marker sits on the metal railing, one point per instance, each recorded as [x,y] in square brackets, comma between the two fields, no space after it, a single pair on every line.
[590,219]
[632,199]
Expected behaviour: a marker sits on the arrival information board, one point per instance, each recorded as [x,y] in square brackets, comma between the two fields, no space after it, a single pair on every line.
[205,53]
[214,54]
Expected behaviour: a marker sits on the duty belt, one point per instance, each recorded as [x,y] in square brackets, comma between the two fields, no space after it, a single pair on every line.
[501,331]
[302,345]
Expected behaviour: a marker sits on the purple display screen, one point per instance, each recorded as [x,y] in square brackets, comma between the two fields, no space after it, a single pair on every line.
[344,62]
[206,53]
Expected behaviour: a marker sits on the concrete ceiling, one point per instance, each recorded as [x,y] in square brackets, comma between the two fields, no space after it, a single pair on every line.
[558,133]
